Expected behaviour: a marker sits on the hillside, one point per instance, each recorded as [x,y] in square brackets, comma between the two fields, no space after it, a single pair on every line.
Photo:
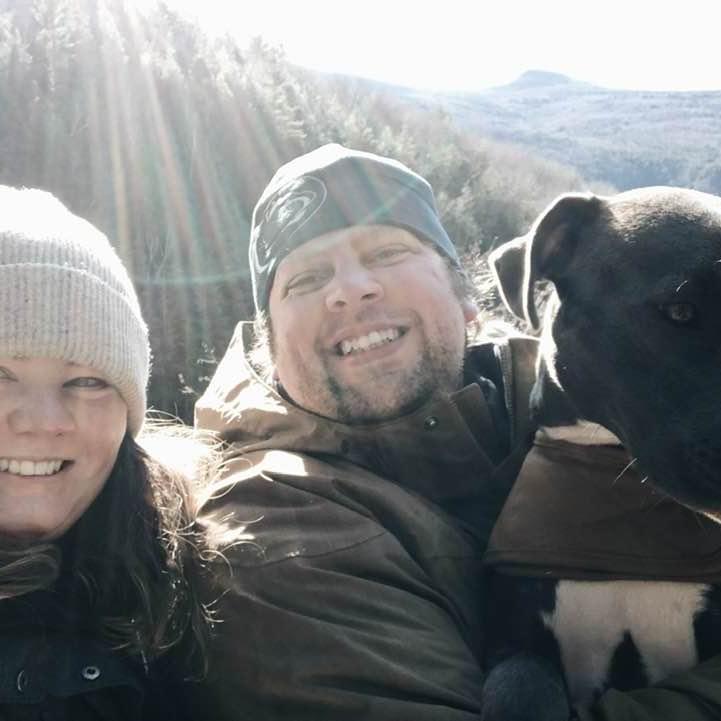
[164,138]
[625,138]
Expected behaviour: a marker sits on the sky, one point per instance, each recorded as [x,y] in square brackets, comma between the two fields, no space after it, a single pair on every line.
[476,44]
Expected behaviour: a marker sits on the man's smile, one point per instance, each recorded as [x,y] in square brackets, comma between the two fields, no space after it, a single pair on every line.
[369,341]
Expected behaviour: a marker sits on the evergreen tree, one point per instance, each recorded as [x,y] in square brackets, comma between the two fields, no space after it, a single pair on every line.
[164,138]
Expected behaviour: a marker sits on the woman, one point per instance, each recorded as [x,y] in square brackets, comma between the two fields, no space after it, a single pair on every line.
[97,548]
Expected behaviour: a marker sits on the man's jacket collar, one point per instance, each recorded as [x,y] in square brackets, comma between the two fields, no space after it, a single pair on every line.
[440,450]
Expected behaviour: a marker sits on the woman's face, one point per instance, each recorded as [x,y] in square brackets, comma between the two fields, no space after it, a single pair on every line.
[61,426]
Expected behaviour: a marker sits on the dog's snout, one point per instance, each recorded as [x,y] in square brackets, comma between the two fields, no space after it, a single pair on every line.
[702,458]
[688,470]
[704,454]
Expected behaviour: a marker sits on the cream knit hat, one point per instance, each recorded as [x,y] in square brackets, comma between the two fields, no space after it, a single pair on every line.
[64,293]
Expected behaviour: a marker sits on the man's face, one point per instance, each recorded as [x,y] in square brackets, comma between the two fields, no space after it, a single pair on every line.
[366,324]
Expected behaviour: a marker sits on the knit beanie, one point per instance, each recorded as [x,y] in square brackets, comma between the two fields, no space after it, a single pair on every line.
[65,294]
[334,187]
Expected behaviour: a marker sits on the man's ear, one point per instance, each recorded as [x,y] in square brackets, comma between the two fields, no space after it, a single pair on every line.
[544,252]
[470,310]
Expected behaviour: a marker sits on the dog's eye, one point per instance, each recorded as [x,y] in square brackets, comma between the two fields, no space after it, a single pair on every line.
[681,313]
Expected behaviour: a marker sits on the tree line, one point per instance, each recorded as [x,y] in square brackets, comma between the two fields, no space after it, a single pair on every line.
[164,137]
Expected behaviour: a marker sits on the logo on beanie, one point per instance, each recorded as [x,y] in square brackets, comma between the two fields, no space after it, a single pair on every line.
[293,206]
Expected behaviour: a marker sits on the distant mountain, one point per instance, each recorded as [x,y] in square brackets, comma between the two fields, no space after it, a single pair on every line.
[626,138]
[540,78]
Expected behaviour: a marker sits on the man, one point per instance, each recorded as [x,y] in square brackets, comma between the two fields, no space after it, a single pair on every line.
[373,447]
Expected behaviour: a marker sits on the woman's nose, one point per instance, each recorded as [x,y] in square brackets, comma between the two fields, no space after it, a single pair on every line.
[41,412]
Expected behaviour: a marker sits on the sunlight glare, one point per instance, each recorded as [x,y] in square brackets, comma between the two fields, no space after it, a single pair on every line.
[470,46]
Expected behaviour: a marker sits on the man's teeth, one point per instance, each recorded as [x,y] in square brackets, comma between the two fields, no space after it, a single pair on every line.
[372,340]
[30,468]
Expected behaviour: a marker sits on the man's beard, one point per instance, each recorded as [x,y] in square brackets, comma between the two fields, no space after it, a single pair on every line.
[436,372]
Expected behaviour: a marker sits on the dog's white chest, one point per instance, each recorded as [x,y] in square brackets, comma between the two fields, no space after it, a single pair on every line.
[591,620]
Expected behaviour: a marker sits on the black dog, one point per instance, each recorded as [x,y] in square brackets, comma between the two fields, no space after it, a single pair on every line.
[631,367]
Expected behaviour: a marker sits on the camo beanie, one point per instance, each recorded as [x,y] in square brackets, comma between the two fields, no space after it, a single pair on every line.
[335,187]
[65,294]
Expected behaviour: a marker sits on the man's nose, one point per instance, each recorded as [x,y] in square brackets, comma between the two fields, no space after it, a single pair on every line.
[353,286]
[42,412]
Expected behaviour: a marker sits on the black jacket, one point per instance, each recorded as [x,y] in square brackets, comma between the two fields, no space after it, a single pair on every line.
[51,670]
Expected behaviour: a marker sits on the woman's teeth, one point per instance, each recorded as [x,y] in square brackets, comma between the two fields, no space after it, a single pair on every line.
[366,342]
[30,468]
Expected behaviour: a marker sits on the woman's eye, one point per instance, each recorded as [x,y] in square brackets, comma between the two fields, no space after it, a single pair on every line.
[680,313]
[87,382]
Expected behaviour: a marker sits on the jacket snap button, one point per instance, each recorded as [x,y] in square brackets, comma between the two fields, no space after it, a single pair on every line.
[21,682]
[91,673]
[430,423]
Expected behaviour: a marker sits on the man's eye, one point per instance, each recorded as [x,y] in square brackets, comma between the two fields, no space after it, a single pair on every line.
[305,282]
[87,382]
[390,253]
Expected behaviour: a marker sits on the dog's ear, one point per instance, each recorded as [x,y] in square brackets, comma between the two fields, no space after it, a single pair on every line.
[508,263]
[543,252]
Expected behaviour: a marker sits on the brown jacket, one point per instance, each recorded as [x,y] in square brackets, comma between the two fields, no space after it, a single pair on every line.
[357,595]
[583,512]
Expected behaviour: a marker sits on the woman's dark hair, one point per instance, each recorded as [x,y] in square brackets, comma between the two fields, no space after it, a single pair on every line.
[131,561]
